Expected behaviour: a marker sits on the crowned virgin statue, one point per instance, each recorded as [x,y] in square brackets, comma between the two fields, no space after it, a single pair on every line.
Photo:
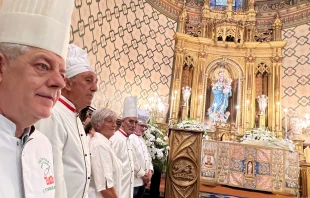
[222,91]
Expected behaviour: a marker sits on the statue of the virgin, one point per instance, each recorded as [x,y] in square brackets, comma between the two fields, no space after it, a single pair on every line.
[222,91]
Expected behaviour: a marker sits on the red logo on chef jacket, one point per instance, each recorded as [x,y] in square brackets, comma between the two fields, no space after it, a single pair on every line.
[45,166]
[49,180]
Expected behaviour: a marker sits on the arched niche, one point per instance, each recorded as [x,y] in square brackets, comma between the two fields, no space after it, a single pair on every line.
[189,68]
[263,78]
[233,71]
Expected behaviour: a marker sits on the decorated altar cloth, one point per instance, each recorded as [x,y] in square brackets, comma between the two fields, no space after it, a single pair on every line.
[249,166]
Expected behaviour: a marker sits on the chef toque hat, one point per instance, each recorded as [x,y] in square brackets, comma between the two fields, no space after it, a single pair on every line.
[77,61]
[130,107]
[38,23]
[143,115]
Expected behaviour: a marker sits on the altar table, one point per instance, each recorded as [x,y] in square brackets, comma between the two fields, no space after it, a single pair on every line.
[249,166]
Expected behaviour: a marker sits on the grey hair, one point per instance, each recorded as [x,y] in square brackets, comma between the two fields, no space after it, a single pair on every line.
[12,50]
[99,115]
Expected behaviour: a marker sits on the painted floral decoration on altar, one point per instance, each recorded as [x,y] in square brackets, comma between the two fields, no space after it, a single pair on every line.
[192,125]
[263,137]
[157,145]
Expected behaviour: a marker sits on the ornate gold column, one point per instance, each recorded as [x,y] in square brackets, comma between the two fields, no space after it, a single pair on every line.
[197,88]
[305,179]
[176,83]
[277,29]
[249,102]
[275,121]
[183,175]
[182,19]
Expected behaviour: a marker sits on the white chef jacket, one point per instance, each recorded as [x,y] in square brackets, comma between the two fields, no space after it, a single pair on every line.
[143,157]
[105,166]
[26,166]
[65,131]
[123,149]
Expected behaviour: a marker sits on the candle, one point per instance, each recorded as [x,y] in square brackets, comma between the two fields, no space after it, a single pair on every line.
[285,123]
[307,153]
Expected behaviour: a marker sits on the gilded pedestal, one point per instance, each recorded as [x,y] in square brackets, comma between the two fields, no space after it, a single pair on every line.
[183,174]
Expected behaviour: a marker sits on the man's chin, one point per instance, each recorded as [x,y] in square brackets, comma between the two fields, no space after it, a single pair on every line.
[44,113]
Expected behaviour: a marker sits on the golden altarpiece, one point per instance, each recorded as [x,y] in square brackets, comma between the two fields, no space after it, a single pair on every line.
[226,50]
[226,43]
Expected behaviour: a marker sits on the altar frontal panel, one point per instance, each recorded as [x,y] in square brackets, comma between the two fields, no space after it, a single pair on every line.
[249,166]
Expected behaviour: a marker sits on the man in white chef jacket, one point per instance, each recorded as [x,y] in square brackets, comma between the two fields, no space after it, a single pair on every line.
[123,147]
[143,157]
[65,130]
[34,38]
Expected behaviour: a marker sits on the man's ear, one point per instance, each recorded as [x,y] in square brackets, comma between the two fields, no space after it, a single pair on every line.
[4,62]
[68,82]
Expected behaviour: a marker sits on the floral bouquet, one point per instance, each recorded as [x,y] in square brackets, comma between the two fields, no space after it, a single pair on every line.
[261,137]
[157,145]
[192,125]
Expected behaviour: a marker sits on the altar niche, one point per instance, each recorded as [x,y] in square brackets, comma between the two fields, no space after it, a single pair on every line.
[223,96]
[262,80]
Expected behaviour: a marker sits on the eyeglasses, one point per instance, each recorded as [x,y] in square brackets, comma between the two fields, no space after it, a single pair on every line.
[143,126]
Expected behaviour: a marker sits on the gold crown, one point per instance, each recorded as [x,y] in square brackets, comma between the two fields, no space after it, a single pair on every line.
[221,73]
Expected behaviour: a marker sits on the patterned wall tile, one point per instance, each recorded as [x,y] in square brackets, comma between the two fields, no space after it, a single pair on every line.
[130,46]
[296,73]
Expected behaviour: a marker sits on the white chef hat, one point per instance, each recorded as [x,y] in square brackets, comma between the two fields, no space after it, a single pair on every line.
[38,23]
[130,107]
[77,61]
[143,115]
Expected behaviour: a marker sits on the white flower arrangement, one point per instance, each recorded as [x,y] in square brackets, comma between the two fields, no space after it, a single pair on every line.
[157,145]
[261,137]
[192,125]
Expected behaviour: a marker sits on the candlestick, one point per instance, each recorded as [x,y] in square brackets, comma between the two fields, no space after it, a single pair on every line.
[307,153]
[285,123]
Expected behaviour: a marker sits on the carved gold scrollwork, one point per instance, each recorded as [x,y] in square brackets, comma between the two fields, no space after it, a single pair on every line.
[277,59]
[251,59]
[202,54]
[180,50]
[262,68]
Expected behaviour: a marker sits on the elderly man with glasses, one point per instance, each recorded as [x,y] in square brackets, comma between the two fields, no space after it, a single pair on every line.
[143,157]
[123,148]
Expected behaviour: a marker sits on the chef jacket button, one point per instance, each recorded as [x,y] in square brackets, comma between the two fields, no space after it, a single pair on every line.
[17,143]
[88,177]
[81,134]
[85,155]
[89,153]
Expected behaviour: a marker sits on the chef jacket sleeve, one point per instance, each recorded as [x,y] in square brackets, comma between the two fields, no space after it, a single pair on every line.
[102,167]
[138,169]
